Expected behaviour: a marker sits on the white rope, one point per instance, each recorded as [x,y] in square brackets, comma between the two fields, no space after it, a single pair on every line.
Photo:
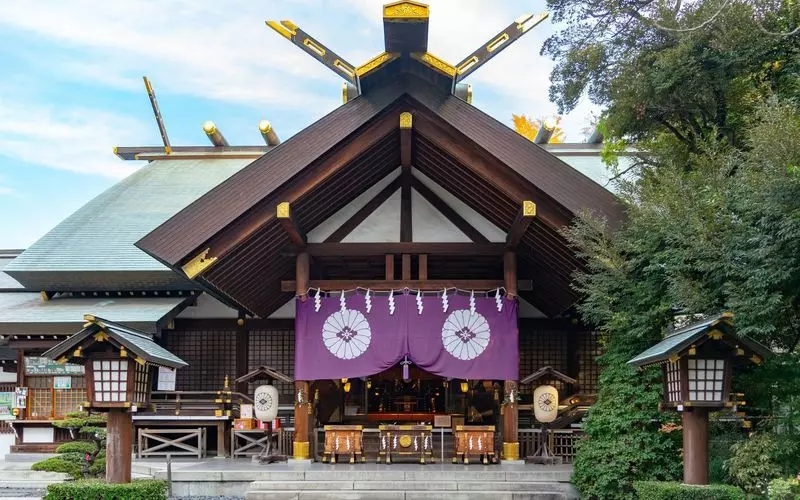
[373,293]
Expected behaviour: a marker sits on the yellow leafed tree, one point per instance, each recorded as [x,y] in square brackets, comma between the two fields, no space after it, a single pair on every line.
[528,127]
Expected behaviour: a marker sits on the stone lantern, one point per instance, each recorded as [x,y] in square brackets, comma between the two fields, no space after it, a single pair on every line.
[697,363]
[118,361]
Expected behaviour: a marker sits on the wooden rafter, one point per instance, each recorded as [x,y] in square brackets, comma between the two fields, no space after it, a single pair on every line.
[353,222]
[412,248]
[432,285]
[521,222]
[290,225]
[449,213]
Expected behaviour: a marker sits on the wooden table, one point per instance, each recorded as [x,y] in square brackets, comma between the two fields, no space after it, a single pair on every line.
[343,440]
[474,440]
[405,440]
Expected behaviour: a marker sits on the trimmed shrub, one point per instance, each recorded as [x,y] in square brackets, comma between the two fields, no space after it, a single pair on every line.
[98,468]
[665,490]
[98,490]
[753,465]
[83,447]
[60,464]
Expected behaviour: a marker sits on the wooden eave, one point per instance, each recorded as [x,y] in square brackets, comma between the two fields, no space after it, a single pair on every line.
[482,162]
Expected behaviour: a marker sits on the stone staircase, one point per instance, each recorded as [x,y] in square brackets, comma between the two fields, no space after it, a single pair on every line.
[17,480]
[418,483]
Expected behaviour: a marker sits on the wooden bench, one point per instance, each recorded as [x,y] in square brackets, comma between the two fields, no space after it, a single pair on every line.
[163,442]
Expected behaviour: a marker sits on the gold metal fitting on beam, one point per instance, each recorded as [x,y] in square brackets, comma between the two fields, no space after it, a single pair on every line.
[375,63]
[285,28]
[528,208]
[528,21]
[283,210]
[406,120]
[434,62]
[198,264]
[406,10]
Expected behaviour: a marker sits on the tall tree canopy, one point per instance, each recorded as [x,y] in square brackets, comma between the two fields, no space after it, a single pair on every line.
[707,93]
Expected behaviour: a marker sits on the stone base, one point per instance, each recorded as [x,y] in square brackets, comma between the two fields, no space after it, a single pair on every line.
[512,462]
[299,461]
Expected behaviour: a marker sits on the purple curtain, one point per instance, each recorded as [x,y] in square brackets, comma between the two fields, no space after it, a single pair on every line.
[357,341]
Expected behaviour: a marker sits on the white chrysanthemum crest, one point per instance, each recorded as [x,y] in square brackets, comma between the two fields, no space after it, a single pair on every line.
[317,300]
[368,301]
[445,305]
[498,300]
[391,302]
[419,302]
[472,302]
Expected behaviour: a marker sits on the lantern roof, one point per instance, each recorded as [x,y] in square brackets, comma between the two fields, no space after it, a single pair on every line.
[99,330]
[264,372]
[678,342]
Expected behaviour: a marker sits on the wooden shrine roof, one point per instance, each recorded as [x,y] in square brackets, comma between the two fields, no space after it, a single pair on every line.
[479,160]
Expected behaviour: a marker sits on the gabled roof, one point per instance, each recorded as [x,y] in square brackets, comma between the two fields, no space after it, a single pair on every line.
[246,191]
[680,340]
[138,343]
[93,249]
[7,283]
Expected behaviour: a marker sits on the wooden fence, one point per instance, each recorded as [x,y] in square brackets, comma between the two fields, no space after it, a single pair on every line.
[562,442]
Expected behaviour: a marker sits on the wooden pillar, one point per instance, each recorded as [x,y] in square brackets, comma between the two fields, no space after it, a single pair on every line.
[389,267]
[302,406]
[242,352]
[510,421]
[119,446]
[510,388]
[695,446]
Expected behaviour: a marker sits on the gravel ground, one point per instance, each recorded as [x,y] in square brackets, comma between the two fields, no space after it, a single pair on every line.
[21,493]
[206,498]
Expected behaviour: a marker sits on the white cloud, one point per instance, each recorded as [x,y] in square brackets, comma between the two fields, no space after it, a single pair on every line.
[214,50]
[67,138]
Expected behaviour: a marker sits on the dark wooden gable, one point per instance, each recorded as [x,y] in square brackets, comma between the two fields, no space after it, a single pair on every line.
[482,162]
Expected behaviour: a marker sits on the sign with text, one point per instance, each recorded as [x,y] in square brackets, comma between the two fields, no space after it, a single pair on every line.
[62,383]
[35,365]
[7,406]
[166,379]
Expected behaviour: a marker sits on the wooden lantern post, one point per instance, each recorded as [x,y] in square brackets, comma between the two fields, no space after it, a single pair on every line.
[697,362]
[119,362]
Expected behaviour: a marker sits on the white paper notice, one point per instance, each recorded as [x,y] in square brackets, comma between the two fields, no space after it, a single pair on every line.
[166,379]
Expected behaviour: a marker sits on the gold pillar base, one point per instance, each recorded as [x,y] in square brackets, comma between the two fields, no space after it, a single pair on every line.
[510,451]
[301,450]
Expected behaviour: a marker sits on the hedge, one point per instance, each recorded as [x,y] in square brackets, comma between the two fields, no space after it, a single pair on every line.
[83,447]
[663,490]
[97,490]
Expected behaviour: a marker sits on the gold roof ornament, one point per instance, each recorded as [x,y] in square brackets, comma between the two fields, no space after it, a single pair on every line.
[406,120]
[434,62]
[198,264]
[375,63]
[406,10]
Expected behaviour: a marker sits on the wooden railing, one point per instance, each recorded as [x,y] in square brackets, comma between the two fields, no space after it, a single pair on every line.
[562,442]
[286,442]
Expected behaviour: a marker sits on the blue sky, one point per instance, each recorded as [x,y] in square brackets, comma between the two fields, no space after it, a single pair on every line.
[71,82]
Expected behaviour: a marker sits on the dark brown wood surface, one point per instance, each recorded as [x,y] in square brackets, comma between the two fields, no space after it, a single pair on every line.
[119,446]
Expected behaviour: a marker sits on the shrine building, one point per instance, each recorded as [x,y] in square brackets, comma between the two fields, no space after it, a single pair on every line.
[400,261]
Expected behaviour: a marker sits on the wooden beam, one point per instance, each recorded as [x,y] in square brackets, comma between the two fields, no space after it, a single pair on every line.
[423,266]
[290,225]
[406,226]
[449,213]
[520,225]
[291,286]
[353,222]
[406,269]
[389,267]
[510,273]
[373,249]
[302,271]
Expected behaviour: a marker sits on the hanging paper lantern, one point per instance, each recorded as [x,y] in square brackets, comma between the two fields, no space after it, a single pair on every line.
[545,403]
[266,403]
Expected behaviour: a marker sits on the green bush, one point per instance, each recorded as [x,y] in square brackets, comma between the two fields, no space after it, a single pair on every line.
[753,465]
[60,464]
[783,489]
[98,490]
[98,468]
[83,447]
[663,490]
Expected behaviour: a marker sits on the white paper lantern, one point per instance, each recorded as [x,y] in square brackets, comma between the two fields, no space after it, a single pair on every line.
[266,403]
[545,403]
